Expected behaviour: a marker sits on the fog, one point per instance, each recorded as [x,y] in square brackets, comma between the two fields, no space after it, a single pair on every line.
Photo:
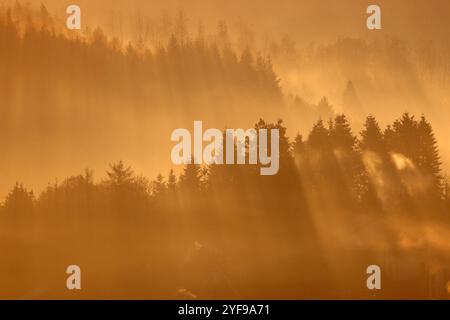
[85,125]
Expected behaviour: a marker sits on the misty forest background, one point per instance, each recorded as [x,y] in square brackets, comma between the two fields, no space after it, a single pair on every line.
[342,200]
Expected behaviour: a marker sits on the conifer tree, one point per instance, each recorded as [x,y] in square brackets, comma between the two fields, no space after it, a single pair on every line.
[159,186]
[324,109]
[341,135]
[372,136]
[318,137]
[19,200]
[119,174]
[351,102]
[298,146]
[428,159]
[171,182]
[190,178]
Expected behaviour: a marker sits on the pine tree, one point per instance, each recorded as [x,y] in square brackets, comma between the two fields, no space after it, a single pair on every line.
[190,179]
[352,171]
[351,102]
[318,137]
[389,138]
[402,137]
[372,136]
[324,109]
[298,146]
[119,174]
[341,136]
[428,159]
[171,182]
[19,200]
[377,164]
[159,186]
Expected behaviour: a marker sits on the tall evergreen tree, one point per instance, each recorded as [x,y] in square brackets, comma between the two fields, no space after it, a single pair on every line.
[318,137]
[190,178]
[428,159]
[351,102]
[119,174]
[341,136]
[298,146]
[19,200]
[171,182]
[159,186]
[402,137]
[372,136]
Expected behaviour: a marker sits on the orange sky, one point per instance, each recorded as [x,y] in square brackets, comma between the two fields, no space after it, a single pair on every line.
[305,20]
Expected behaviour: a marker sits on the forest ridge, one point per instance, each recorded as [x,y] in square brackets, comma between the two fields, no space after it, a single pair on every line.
[185,234]
[120,92]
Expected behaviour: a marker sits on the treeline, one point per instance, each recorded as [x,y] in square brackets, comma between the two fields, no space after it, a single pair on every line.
[396,169]
[224,230]
[52,79]
[68,96]
[385,71]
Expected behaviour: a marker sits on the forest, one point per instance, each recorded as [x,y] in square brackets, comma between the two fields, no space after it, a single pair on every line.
[343,199]
[66,97]
[225,231]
